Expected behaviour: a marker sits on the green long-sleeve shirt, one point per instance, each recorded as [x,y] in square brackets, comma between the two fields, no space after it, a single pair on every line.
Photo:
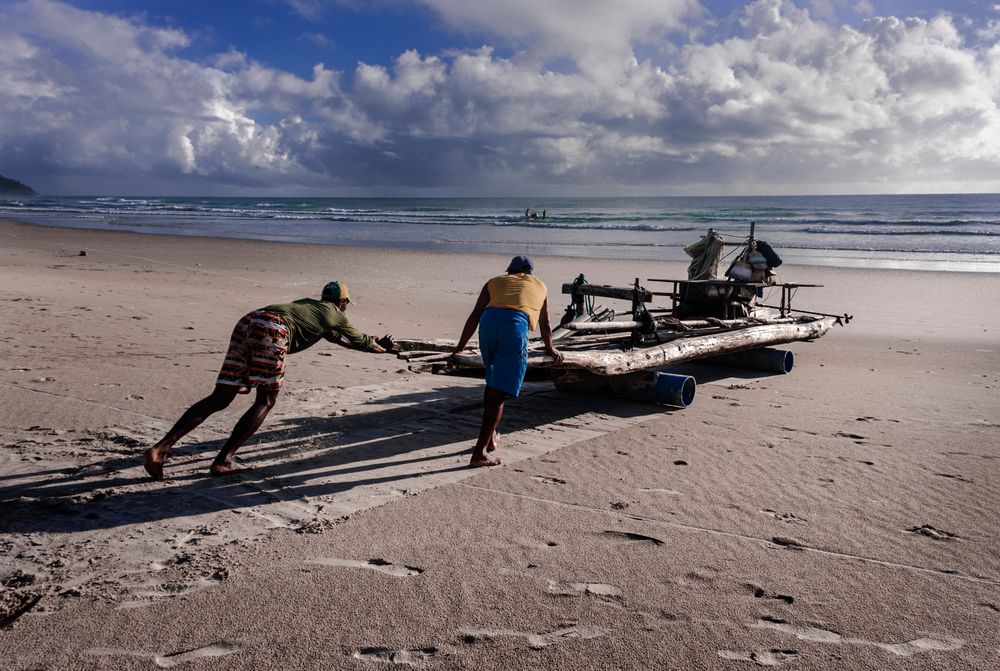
[309,320]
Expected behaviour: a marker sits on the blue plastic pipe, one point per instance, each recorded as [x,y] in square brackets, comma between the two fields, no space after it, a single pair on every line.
[649,386]
[765,358]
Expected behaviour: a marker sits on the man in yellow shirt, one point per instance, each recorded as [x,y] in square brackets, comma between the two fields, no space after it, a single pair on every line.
[509,306]
[256,358]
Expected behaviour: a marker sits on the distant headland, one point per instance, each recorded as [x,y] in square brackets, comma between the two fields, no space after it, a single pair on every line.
[12,187]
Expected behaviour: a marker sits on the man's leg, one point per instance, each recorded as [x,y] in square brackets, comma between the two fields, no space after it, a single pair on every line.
[219,399]
[246,427]
[493,400]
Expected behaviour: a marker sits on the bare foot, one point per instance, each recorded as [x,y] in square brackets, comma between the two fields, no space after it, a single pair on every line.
[243,389]
[153,464]
[494,442]
[225,468]
[480,462]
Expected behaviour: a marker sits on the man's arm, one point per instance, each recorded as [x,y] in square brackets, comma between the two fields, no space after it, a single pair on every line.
[473,321]
[543,325]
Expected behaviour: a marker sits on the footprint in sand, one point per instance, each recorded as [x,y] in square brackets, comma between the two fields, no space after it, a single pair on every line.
[931,532]
[152,593]
[789,543]
[659,490]
[538,641]
[380,565]
[13,605]
[906,649]
[629,536]
[220,649]
[790,518]
[548,480]
[761,593]
[410,657]
[772,657]
[602,590]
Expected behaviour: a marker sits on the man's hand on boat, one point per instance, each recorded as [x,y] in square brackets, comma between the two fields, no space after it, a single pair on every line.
[557,356]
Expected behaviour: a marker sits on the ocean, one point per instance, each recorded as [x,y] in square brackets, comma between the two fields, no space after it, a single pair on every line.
[919,232]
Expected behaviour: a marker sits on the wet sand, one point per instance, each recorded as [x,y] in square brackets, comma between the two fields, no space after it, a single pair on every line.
[842,516]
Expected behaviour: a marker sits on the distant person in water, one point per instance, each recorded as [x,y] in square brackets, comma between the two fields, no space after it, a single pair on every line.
[509,306]
[256,359]
[543,214]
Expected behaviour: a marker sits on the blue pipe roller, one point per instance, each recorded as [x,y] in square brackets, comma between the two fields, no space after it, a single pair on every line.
[647,385]
[764,358]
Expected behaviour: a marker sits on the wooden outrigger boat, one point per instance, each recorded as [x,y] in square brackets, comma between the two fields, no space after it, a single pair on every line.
[713,321]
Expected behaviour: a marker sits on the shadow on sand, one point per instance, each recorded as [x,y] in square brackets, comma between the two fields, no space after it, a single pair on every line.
[294,460]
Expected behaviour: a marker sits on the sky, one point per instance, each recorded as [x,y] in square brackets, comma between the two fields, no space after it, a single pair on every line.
[511,98]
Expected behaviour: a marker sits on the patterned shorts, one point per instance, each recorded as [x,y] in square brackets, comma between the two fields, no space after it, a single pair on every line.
[257,350]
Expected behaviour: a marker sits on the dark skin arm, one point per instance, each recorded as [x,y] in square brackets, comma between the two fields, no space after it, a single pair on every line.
[546,329]
[472,323]
[344,342]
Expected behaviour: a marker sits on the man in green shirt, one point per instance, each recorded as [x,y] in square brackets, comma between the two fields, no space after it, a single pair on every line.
[256,358]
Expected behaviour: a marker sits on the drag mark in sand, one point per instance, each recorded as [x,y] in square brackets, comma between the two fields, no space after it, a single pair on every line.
[605,591]
[538,641]
[548,480]
[379,565]
[83,400]
[817,635]
[165,661]
[410,657]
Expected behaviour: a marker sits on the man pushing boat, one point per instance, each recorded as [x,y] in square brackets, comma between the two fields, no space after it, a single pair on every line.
[509,306]
[256,359]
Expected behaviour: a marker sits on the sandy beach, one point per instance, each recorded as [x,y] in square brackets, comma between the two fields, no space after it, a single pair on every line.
[844,516]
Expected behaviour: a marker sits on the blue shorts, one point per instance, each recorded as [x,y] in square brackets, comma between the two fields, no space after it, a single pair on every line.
[503,342]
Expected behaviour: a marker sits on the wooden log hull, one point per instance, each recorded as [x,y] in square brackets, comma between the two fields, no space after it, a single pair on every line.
[611,362]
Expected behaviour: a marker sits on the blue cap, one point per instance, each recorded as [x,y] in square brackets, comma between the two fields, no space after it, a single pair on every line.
[520,264]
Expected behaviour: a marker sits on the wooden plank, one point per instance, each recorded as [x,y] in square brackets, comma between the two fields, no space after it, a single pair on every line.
[605,291]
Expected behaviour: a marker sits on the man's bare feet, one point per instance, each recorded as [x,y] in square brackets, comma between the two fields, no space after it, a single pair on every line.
[225,468]
[153,463]
[243,389]
[494,442]
[480,462]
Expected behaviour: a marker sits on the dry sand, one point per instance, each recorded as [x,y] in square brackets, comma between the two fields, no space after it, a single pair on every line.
[843,516]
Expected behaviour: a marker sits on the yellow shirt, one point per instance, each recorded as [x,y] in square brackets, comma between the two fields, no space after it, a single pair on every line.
[519,291]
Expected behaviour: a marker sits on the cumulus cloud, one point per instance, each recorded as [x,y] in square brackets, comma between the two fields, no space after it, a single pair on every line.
[790,103]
